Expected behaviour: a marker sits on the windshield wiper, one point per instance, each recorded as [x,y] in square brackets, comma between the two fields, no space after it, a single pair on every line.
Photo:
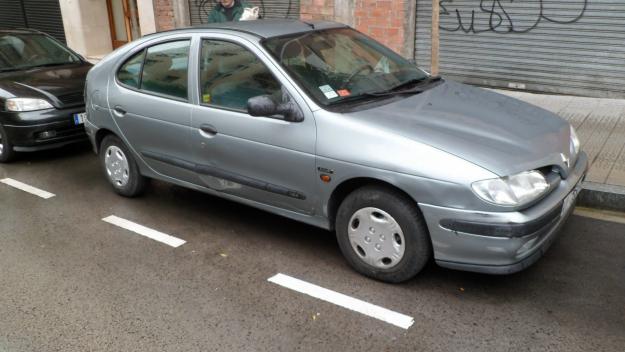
[8,69]
[420,86]
[409,82]
[26,68]
[48,65]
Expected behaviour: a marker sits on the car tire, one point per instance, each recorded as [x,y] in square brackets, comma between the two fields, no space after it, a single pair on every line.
[120,168]
[7,153]
[382,234]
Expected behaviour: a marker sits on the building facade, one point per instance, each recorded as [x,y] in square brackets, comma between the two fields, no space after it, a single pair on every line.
[555,46]
[94,28]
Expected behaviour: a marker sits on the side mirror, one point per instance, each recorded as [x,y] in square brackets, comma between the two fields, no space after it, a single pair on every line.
[263,105]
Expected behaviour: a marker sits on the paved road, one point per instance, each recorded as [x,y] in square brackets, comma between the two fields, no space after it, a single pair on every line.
[71,282]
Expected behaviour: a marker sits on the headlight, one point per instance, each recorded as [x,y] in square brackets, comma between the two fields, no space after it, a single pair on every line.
[512,190]
[574,143]
[27,104]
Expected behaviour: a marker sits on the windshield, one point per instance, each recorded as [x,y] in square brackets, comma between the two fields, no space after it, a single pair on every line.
[341,65]
[23,51]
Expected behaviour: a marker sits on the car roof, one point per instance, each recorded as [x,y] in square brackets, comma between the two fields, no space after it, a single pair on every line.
[266,28]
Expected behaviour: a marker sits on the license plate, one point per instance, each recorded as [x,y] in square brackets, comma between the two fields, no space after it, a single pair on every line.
[80,118]
[569,201]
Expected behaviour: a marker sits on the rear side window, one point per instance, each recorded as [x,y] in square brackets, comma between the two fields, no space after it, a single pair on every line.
[130,72]
[165,69]
[160,69]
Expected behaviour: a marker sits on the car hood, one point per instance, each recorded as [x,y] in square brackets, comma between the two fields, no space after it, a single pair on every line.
[496,132]
[61,85]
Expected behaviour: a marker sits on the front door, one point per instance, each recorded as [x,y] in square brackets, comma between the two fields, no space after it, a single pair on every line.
[263,159]
[123,21]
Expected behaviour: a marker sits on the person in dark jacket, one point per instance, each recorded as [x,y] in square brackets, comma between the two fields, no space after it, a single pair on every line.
[227,10]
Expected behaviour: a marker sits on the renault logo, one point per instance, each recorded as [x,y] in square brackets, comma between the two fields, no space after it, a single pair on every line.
[565,160]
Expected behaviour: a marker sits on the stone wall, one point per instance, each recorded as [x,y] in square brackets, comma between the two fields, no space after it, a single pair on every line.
[164,15]
[389,21]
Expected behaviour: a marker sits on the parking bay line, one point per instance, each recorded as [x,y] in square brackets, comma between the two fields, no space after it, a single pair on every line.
[145,231]
[27,188]
[386,315]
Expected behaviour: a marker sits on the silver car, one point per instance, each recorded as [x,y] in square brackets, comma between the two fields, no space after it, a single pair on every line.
[319,123]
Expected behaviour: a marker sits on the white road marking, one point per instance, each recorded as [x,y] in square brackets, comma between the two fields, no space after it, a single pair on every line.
[27,188]
[145,231]
[386,315]
[603,215]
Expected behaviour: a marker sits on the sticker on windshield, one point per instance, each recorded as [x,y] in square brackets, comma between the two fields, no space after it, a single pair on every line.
[328,92]
[344,92]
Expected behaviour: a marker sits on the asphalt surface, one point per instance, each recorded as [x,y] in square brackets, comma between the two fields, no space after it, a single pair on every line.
[71,282]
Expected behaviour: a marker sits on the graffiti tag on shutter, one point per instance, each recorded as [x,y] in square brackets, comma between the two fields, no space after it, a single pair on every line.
[500,19]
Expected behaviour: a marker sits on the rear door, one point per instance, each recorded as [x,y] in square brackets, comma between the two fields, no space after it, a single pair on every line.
[149,101]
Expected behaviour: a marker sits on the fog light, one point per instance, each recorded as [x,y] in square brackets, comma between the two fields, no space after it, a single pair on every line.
[46,134]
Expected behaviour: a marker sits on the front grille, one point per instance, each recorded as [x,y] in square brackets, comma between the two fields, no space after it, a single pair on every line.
[72,99]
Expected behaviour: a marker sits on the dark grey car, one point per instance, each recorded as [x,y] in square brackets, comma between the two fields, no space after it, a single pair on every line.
[41,93]
[321,124]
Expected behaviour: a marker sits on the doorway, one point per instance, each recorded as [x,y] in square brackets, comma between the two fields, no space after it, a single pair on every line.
[124,21]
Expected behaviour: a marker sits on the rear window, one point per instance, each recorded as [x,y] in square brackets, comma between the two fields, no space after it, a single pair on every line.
[161,69]
[130,73]
[165,69]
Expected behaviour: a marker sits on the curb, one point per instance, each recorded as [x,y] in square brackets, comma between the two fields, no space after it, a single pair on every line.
[602,196]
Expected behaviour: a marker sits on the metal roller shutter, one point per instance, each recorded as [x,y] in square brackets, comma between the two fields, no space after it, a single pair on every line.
[268,9]
[42,15]
[11,14]
[556,46]
[45,15]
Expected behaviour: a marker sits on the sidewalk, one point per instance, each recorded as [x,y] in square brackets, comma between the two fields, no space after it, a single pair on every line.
[600,125]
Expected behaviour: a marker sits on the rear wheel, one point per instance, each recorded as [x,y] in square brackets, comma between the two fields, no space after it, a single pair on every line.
[120,167]
[6,148]
[382,234]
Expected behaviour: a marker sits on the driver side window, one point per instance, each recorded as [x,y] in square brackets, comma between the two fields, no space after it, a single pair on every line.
[231,74]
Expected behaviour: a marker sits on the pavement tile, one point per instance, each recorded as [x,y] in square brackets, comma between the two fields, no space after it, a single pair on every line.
[617,173]
[608,156]
[594,132]
[574,118]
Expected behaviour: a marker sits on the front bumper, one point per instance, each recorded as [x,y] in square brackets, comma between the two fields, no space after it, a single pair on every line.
[502,242]
[24,129]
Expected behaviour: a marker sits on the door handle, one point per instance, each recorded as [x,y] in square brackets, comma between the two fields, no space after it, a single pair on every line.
[207,130]
[119,111]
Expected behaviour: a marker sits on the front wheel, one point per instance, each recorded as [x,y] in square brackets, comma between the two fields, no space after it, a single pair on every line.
[120,167]
[382,234]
